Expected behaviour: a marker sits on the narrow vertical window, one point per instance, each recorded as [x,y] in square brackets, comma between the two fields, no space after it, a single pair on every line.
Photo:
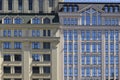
[20,4]
[30,4]
[0,4]
[9,4]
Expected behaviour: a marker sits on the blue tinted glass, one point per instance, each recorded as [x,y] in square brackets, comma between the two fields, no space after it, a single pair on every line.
[7,20]
[35,20]
[18,21]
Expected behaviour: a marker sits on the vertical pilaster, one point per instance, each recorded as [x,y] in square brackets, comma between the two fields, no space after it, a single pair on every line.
[25,5]
[15,6]
[119,58]
[26,62]
[103,56]
[36,6]
[45,6]
[1,60]
[109,55]
[54,61]
[5,6]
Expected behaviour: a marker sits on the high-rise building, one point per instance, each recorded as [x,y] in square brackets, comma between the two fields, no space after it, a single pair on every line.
[89,40]
[28,39]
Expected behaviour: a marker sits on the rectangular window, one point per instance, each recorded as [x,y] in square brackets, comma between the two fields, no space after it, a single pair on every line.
[99,47]
[10,4]
[106,71]
[106,47]
[99,35]
[75,59]
[106,59]
[75,35]
[87,72]
[87,35]
[112,47]
[7,57]
[35,45]
[46,57]
[65,35]
[30,4]
[83,59]
[94,72]
[35,33]
[65,71]
[83,72]
[106,35]
[87,47]
[7,33]
[70,35]
[65,59]
[112,35]
[75,47]
[94,60]
[7,69]
[88,60]
[83,47]
[6,45]
[87,19]
[17,33]
[94,47]
[70,59]
[99,60]
[94,35]
[1,5]
[111,59]
[44,33]
[49,33]
[46,45]
[83,35]
[46,70]
[36,57]
[35,70]
[18,57]
[18,69]
[99,72]
[70,71]
[75,71]
[70,47]
[65,47]
[112,71]
[20,5]
[17,45]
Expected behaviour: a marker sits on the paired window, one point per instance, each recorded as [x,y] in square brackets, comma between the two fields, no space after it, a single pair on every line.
[17,45]
[6,45]
[36,57]
[46,32]
[36,20]
[18,20]
[70,8]
[35,45]
[111,9]
[35,33]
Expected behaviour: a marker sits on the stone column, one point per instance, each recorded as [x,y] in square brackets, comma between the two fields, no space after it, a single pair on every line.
[25,6]
[5,6]
[26,61]
[15,6]
[36,6]
[45,6]
[103,56]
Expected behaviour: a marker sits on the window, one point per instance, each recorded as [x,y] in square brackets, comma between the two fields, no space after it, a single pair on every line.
[106,9]
[35,45]
[87,59]
[46,32]
[112,47]
[35,20]
[46,70]
[75,71]
[94,47]
[7,69]
[111,9]
[99,72]
[6,33]
[75,59]
[65,71]
[18,69]
[117,59]
[94,71]
[75,47]
[112,71]
[30,4]
[99,47]
[106,71]
[46,21]
[87,35]
[70,35]
[70,8]
[83,59]
[99,35]
[116,9]
[35,69]
[94,35]
[111,60]
[75,35]
[65,47]
[46,57]
[36,57]
[94,60]
[17,79]
[6,79]
[20,5]
[7,57]
[65,35]
[8,20]
[70,59]
[99,59]
[46,45]
[17,45]
[111,35]
[87,19]
[83,72]
[87,47]
[17,33]
[6,45]
[18,20]
[70,71]
[10,4]
[83,35]
[106,59]
[117,71]
[75,8]
[106,47]
[87,72]
[65,59]
[1,5]
[65,8]
[106,35]
[35,33]
[83,47]
[70,47]
[18,57]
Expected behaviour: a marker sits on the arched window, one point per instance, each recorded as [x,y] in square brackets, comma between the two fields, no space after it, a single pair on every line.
[46,21]
[7,20]
[65,8]
[70,8]
[116,9]
[35,20]
[75,8]
[111,9]
[106,9]
[18,20]
[91,17]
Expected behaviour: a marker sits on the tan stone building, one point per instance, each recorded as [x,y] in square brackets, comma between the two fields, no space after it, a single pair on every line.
[29,39]
[89,39]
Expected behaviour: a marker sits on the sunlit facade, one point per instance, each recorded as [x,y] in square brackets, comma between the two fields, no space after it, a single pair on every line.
[90,41]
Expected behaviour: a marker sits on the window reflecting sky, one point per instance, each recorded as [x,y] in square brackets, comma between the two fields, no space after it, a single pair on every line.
[92,1]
